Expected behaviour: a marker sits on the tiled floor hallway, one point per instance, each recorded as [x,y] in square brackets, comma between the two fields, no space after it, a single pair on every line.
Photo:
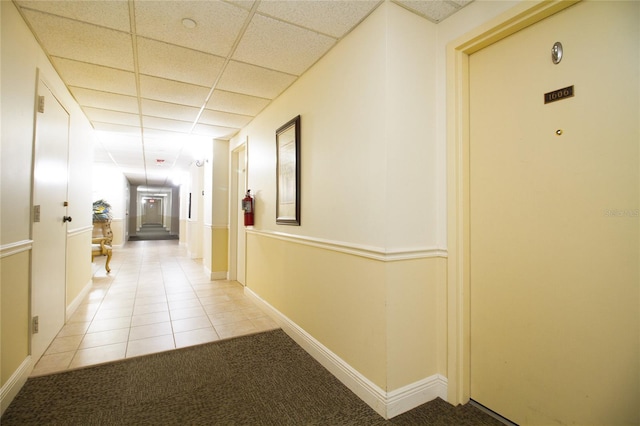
[155,299]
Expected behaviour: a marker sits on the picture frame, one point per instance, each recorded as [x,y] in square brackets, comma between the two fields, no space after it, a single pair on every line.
[288,173]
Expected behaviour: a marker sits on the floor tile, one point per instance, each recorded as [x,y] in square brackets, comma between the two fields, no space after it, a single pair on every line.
[152,318]
[150,330]
[177,314]
[234,329]
[150,345]
[53,363]
[74,329]
[189,324]
[182,304]
[103,338]
[264,323]
[196,337]
[64,344]
[155,299]
[222,318]
[109,324]
[151,308]
[113,313]
[98,355]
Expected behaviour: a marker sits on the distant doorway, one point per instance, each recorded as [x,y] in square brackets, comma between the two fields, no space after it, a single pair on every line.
[152,212]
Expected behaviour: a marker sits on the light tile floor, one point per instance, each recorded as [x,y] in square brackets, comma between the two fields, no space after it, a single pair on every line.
[155,299]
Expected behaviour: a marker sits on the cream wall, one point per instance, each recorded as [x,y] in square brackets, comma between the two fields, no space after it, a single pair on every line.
[220,210]
[14,340]
[21,57]
[363,273]
[216,209]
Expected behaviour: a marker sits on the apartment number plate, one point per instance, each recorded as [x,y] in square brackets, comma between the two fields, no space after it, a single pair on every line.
[558,95]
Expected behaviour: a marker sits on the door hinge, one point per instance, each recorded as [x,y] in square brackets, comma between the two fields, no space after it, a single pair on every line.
[36,213]
[35,324]
[40,103]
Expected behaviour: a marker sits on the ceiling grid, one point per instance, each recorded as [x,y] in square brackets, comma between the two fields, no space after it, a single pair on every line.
[150,83]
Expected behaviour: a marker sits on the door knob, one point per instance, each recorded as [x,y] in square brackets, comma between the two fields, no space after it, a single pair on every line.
[66,219]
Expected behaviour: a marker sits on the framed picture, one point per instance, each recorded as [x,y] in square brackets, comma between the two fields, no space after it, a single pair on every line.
[288,173]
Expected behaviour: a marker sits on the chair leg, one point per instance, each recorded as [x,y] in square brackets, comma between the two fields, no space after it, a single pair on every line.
[106,266]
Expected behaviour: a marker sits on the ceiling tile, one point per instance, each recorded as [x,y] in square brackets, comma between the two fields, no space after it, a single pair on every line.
[217,23]
[177,63]
[245,4]
[172,144]
[158,136]
[104,100]
[280,46]
[166,110]
[91,45]
[82,74]
[112,14]
[172,91]
[83,42]
[253,80]
[166,124]
[113,117]
[461,3]
[156,177]
[100,154]
[214,131]
[334,18]
[118,128]
[225,119]
[236,103]
[119,142]
[434,10]
[127,160]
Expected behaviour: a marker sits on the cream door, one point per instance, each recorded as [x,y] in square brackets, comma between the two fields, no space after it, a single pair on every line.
[50,176]
[554,226]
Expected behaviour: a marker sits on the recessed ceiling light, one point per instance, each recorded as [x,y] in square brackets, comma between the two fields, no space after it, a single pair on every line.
[189,23]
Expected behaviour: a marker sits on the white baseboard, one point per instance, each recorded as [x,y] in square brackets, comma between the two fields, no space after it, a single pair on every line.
[387,404]
[409,397]
[73,306]
[10,389]
[220,275]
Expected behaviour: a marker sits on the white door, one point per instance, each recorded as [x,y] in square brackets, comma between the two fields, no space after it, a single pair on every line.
[554,226]
[50,177]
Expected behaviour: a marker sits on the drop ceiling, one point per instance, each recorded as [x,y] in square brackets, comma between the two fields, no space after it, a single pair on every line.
[156,77]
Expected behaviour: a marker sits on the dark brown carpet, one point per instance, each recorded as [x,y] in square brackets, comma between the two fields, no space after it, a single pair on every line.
[262,379]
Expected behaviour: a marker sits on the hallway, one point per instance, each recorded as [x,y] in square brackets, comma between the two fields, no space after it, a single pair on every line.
[155,299]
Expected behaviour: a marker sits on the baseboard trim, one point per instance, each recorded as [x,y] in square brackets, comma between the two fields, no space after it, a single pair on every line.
[73,306]
[10,389]
[220,275]
[409,397]
[387,404]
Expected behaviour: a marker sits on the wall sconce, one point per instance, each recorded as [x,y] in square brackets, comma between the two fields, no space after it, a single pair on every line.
[200,163]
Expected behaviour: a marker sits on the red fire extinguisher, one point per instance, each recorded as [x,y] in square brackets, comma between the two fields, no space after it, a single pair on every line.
[247,206]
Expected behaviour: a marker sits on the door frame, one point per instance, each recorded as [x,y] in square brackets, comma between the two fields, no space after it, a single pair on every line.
[458,117]
[234,206]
